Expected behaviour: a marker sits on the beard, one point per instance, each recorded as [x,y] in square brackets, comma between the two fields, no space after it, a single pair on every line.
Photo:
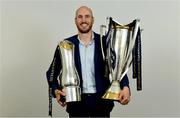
[86,29]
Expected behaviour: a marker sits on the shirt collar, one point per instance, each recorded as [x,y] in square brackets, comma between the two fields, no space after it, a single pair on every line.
[90,43]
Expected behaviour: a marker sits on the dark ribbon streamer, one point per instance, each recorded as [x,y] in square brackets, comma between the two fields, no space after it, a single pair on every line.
[50,88]
[136,54]
[50,101]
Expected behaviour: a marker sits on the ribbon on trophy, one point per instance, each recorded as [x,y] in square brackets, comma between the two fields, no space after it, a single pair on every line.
[51,74]
[50,88]
[50,101]
[136,65]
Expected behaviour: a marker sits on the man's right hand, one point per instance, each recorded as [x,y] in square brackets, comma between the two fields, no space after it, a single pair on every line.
[60,94]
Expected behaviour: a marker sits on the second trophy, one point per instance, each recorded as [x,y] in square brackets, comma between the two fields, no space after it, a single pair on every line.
[120,41]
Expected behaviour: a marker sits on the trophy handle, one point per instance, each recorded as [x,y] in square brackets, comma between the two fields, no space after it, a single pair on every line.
[101,39]
[104,30]
[135,31]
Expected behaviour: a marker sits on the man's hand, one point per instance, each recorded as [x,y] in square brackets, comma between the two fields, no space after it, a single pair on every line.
[60,94]
[124,96]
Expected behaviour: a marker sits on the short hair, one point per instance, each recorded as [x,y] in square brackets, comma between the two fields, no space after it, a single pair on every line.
[85,8]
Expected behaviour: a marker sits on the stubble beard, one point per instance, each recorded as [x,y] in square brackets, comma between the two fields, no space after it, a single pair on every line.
[81,30]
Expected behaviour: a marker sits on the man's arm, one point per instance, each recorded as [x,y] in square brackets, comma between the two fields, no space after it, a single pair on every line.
[124,82]
[53,72]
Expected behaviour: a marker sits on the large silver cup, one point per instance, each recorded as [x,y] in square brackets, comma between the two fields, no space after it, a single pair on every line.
[120,41]
[69,79]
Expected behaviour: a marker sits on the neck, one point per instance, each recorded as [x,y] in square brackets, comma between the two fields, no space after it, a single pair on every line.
[85,37]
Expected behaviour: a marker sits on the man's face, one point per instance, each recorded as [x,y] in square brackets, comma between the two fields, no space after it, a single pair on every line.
[84,20]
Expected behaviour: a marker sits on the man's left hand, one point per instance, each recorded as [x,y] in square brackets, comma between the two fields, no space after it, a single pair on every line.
[124,96]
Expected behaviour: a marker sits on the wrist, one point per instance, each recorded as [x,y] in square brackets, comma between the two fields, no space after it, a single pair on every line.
[126,87]
[56,91]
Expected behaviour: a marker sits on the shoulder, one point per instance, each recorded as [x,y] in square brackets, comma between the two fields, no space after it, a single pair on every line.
[96,35]
[98,38]
[73,39]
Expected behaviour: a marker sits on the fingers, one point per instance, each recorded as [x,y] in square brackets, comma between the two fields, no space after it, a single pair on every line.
[120,97]
[60,97]
[124,100]
[124,96]
[59,92]
[63,104]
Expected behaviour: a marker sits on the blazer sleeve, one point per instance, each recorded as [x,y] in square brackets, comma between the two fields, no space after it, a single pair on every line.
[54,71]
[124,82]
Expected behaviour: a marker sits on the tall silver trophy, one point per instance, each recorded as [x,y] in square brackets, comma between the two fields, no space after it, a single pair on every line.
[120,41]
[69,79]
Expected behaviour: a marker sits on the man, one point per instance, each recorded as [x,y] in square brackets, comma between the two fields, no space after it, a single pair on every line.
[90,67]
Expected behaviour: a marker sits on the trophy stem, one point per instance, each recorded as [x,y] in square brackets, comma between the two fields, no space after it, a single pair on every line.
[113,91]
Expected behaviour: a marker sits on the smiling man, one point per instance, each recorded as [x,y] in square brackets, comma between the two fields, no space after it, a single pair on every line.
[90,67]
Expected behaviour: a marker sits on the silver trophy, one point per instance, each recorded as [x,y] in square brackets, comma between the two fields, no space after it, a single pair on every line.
[69,79]
[120,41]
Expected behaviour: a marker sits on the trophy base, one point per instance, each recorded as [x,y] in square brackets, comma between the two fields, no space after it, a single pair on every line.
[73,93]
[111,96]
[113,91]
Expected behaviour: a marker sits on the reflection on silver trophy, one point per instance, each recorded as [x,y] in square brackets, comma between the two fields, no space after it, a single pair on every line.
[69,79]
[120,41]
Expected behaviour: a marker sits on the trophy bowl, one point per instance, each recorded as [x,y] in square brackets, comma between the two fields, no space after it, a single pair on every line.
[120,41]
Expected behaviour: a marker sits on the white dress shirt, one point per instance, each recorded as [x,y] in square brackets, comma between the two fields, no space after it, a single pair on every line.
[87,66]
